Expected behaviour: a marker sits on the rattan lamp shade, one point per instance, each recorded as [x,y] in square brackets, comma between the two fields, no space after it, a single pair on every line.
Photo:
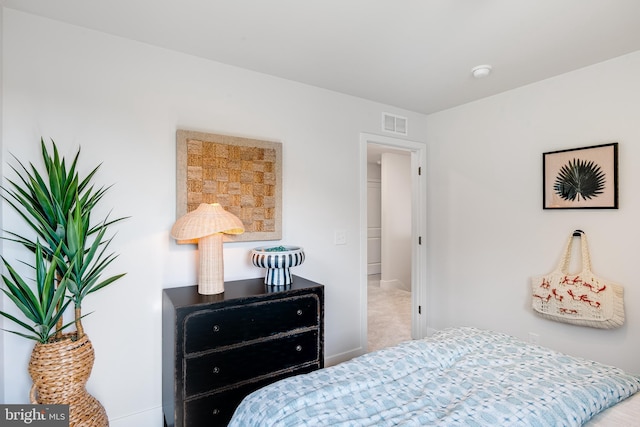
[206,225]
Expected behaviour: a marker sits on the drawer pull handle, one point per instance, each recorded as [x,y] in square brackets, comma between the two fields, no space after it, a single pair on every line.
[299,312]
[216,328]
[215,411]
[298,347]
[216,370]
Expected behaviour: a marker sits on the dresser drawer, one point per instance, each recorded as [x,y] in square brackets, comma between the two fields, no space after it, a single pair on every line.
[219,369]
[216,409]
[209,329]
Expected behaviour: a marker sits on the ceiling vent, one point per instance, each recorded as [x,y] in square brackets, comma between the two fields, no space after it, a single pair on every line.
[394,124]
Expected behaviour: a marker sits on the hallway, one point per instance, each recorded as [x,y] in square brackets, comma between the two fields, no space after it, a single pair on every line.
[389,315]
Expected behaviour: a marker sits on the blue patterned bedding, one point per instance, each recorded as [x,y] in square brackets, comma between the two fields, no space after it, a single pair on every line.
[459,377]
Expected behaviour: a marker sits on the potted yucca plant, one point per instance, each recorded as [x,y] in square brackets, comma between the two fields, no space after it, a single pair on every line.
[45,306]
[70,256]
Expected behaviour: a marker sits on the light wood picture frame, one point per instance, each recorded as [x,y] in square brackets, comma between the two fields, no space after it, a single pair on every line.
[244,175]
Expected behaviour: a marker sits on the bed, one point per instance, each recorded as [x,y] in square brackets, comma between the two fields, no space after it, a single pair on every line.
[458,377]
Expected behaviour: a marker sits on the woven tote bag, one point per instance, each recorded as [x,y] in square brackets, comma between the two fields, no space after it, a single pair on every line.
[580,299]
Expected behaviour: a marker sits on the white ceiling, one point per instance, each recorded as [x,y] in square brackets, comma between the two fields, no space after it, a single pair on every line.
[412,54]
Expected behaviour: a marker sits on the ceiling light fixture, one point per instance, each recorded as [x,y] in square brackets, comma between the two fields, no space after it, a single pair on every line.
[481,71]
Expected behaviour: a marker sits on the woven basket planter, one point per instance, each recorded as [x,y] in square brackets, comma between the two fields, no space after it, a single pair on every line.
[60,371]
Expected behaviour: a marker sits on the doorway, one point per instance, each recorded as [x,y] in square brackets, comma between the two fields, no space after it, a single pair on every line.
[388,246]
[392,295]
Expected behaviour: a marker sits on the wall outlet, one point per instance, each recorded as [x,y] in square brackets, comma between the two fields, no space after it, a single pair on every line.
[534,338]
[340,237]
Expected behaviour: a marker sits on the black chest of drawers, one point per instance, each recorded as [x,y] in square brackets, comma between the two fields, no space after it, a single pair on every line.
[216,349]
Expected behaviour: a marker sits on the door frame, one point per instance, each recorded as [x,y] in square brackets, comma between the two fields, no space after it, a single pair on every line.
[419,288]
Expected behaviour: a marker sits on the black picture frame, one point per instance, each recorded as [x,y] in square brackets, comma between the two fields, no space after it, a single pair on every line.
[581,178]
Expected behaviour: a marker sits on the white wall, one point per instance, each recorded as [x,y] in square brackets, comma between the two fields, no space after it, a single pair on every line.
[1,222]
[396,221]
[488,232]
[122,101]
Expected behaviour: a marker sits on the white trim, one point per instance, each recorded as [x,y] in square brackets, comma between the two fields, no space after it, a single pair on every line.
[343,357]
[419,221]
[148,417]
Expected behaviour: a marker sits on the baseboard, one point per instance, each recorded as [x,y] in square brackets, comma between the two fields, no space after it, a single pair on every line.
[149,418]
[343,357]
[374,268]
[394,284]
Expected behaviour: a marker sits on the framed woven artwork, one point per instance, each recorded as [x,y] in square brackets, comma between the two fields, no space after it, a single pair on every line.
[581,178]
[243,175]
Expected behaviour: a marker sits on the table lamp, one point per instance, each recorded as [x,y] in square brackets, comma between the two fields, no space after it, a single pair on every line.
[206,225]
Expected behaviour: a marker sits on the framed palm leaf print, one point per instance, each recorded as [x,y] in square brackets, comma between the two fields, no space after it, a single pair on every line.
[581,178]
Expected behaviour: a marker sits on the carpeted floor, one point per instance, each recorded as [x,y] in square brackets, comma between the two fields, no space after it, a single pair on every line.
[389,316]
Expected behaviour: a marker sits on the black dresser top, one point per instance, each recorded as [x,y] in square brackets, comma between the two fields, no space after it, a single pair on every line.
[189,296]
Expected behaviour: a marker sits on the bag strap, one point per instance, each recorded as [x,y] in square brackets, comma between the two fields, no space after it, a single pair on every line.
[566,257]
